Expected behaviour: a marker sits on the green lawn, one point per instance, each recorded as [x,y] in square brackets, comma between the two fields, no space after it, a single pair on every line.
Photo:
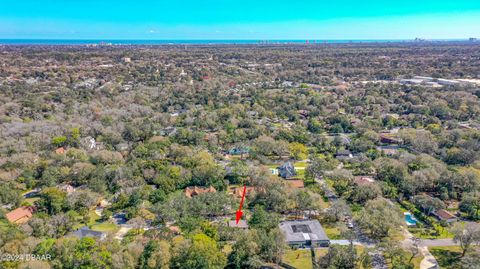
[92,221]
[31,201]
[104,227]
[428,233]
[332,231]
[300,258]
[300,164]
[447,257]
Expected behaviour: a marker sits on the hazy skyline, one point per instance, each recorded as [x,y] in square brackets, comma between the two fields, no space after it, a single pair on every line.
[214,19]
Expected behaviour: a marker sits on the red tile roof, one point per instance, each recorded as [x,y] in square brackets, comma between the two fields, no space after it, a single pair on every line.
[296,183]
[193,191]
[238,191]
[363,180]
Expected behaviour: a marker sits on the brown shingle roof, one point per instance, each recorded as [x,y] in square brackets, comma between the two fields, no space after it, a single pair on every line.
[20,215]
[444,214]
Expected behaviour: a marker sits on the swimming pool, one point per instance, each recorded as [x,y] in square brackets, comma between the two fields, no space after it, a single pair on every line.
[410,219]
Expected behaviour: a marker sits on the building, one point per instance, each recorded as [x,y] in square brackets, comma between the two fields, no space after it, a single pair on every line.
[238,191]
[386,139]
[69,189]
[343,155]
[60,150]
[20,215]
[194,191]
[304,233]
[239,151]
[296,183]
[363,180]
[86,232]
[242,224]
[388,150]
[444,215]
[287,170]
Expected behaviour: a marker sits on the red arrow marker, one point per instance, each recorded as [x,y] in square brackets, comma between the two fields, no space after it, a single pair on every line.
[239,211]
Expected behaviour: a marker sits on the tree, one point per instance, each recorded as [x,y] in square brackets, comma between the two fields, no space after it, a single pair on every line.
[337,257]
[245,252]
[396,256]
[338,210]
[303,201]
[59,141]
[156,255]
[363,193]
[470,260]
[298,151]
[466,235]
[52,200]
[318,166]
[272,245]
[471,205]
[201,252]
[379,217]
[427,203]
[261,219]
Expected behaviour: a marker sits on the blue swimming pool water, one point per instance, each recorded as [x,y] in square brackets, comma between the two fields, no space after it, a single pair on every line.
[410,219]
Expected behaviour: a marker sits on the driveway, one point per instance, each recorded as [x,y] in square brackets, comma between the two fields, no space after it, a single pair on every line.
[122,232]
[429,261]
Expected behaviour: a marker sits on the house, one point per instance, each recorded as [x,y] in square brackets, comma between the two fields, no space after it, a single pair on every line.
[88,143]
[239,151]
[386,139]
[296,183]
[86,232]
[69,189]
[238,191]
[363,180]
[388,150]
[242,224]
[60,150]
[174,229]
[122,147]
[343,155]
[304,233]
[444,215]
[194,191]
[20,215]
[287,170]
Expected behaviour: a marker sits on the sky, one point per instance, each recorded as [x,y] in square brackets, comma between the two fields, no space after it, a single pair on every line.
[241,19]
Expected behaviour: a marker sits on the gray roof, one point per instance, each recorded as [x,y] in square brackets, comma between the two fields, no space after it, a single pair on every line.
[303,230]
[86,232]
[287,170]
[241,224]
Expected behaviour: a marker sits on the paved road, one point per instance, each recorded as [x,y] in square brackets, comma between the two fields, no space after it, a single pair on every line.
[437,242]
